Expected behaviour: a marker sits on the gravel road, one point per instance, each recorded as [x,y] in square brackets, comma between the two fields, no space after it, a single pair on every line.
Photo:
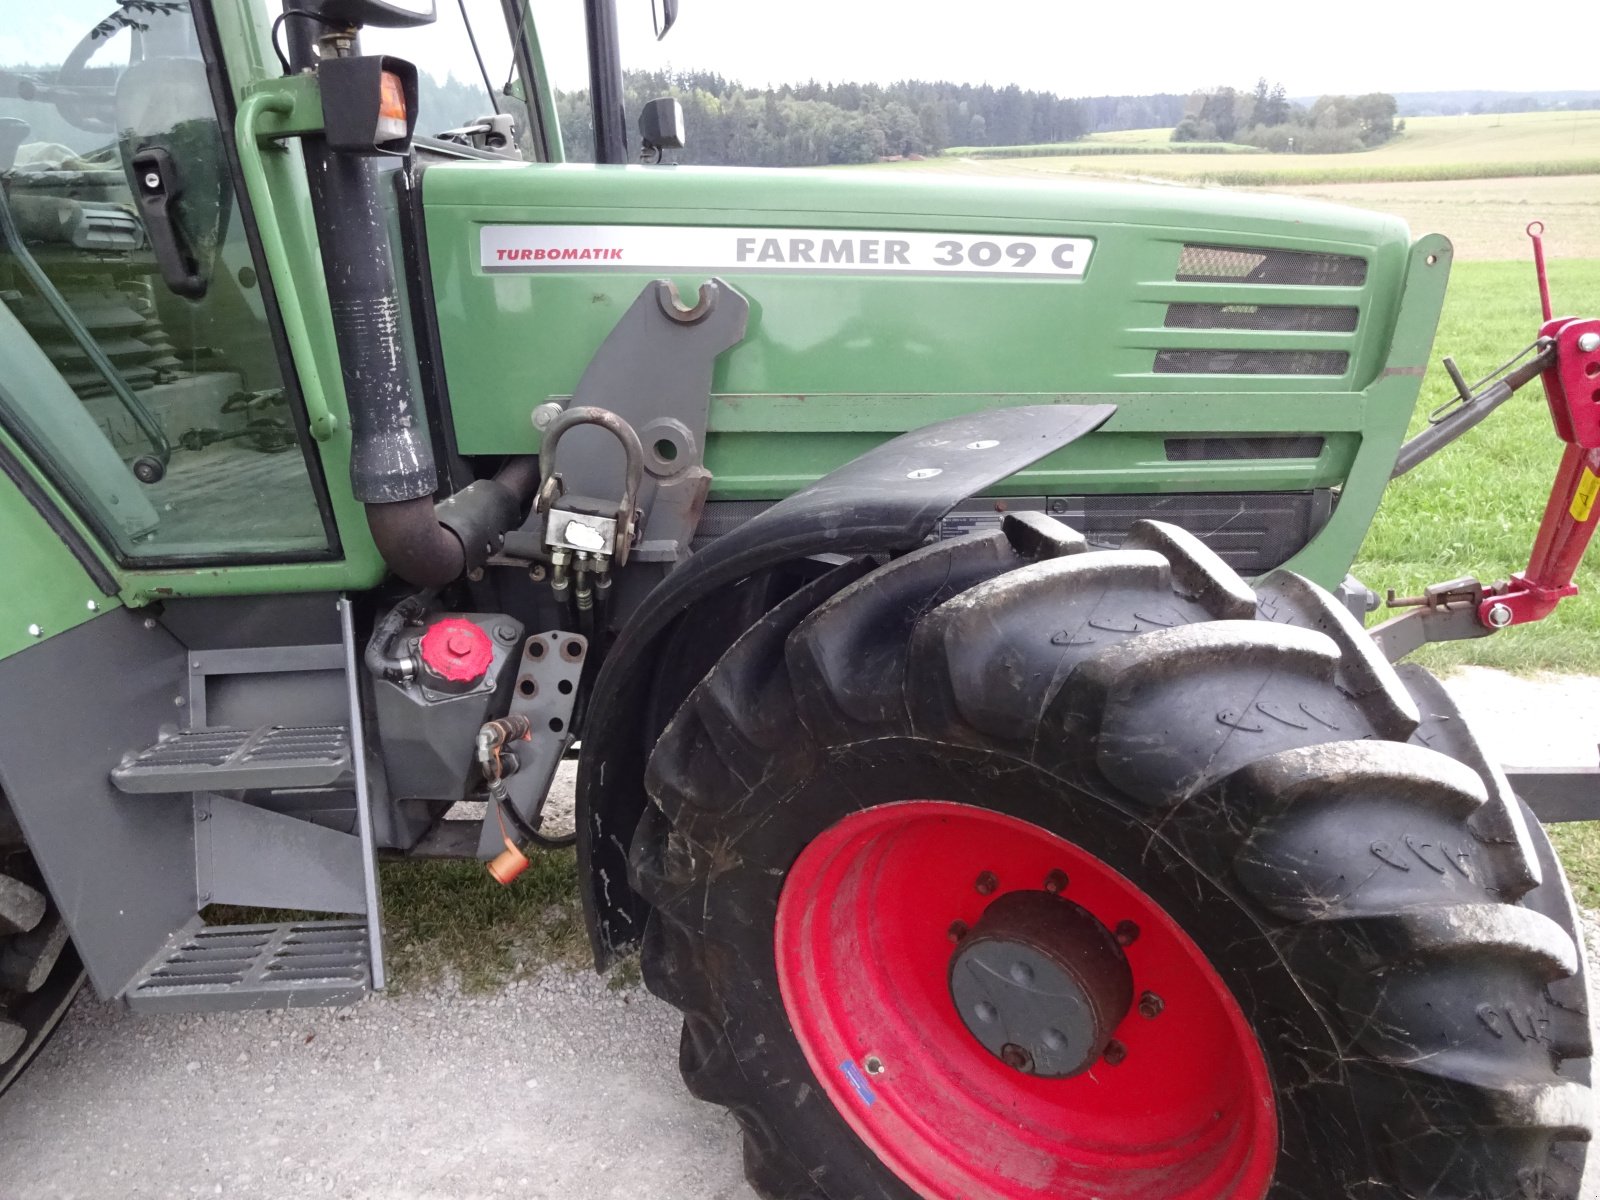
[557,1086]
[554,1087]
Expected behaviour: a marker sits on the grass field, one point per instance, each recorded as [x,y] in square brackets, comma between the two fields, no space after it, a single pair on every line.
[1485,218]
[1519,144]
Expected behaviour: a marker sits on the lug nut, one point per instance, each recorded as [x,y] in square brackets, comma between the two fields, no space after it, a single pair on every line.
[1115,1053]
[986,883]
[1017,1058]
[1127,933]
[1150,1006]
[1056,882]
[957,930]
[873,1065]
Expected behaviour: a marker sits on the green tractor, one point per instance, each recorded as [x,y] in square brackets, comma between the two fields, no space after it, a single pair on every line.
[942,587]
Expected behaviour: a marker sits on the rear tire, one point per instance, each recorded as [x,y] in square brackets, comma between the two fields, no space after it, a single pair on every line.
[39,970]
[1378,907]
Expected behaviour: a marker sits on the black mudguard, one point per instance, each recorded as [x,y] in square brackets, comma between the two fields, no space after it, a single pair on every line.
[887,501]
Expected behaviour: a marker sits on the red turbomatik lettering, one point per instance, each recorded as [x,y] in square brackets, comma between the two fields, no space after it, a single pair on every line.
[559,254]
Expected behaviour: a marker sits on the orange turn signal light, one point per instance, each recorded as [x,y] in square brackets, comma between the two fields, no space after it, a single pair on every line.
[391,108]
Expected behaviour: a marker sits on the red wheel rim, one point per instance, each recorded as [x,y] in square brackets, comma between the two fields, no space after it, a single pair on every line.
[863,946]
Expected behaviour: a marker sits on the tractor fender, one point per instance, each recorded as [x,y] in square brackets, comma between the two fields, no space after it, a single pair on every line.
[888,500]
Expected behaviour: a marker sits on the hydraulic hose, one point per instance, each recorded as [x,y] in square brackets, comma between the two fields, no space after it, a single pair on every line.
[380,659]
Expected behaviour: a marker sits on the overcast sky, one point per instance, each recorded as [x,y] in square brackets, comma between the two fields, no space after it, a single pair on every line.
[1079,49]
[1074,49]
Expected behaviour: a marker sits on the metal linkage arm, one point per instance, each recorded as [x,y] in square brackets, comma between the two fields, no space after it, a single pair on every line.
[1572,386]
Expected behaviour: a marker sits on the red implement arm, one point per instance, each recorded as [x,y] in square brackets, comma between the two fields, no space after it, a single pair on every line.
[1568,350]
[1572,387]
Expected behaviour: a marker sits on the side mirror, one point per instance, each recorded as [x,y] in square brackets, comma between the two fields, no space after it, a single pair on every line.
[665,13]
[660,128]
[380,14]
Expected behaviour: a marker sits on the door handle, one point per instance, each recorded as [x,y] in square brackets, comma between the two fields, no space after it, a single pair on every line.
[159,186]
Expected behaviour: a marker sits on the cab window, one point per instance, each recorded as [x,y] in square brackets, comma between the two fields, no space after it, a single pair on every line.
[140,370]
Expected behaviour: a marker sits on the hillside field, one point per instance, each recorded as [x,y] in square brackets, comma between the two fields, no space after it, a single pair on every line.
[1477,179]
[1546,143]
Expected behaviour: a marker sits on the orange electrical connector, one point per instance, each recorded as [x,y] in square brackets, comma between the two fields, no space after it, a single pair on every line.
[508,864]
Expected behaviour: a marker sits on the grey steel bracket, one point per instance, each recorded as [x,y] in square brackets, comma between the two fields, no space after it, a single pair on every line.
[358,754]
[545,692]
[654,371]
[1445,612]
[1570,793]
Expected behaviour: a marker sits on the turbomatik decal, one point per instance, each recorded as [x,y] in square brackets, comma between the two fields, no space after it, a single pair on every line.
[520,248]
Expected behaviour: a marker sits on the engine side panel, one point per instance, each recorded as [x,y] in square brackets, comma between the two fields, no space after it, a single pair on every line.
[1250,343]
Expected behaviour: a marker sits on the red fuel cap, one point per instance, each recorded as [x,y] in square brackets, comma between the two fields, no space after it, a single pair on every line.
[456,650]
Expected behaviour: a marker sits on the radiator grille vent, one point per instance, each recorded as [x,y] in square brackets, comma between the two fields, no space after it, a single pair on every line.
[1210,448]
[1251,362]
[1290,318]
[1227,264]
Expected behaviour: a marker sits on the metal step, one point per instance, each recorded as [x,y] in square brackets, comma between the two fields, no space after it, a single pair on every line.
[228,968]
[224,760]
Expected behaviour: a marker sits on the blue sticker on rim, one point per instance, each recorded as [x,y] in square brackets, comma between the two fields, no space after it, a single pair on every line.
[859,1082]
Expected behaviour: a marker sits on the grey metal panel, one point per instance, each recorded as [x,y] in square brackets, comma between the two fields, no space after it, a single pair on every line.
[250,660]
[255,685]
[294,697]
[241,854]
[219,622]
[1559,794]
[358,747]
[122,870]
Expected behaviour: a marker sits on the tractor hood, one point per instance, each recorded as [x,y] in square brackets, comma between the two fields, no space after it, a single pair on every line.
[1238,334]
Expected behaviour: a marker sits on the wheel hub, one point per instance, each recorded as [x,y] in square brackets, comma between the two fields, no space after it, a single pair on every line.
[1041,984]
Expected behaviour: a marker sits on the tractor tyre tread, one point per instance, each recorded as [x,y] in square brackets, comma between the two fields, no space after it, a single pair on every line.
[1261,739]
[39,970]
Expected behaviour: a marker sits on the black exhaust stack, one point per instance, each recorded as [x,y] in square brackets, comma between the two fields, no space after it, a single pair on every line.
[392,467]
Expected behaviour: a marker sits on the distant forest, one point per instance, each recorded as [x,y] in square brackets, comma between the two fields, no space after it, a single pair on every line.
[1265,117]
[815,124]
[1459,103]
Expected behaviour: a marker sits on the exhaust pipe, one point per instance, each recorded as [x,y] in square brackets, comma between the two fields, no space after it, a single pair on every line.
[430,544]
[392,468]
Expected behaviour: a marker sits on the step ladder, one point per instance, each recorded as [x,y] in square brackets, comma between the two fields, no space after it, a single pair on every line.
[254,792]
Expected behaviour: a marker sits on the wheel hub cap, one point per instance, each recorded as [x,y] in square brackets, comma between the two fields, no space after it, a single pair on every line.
[1041,983]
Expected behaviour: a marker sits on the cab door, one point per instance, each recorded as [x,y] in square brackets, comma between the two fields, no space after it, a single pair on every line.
[141,374]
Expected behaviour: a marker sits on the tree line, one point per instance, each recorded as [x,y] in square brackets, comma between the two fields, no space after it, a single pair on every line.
[1265,116]
[816,124]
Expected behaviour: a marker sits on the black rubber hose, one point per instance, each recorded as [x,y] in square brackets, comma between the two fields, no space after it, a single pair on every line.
[426,544]
[380,661]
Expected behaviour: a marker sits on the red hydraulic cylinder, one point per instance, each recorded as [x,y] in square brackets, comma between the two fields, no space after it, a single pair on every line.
[1572,387]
